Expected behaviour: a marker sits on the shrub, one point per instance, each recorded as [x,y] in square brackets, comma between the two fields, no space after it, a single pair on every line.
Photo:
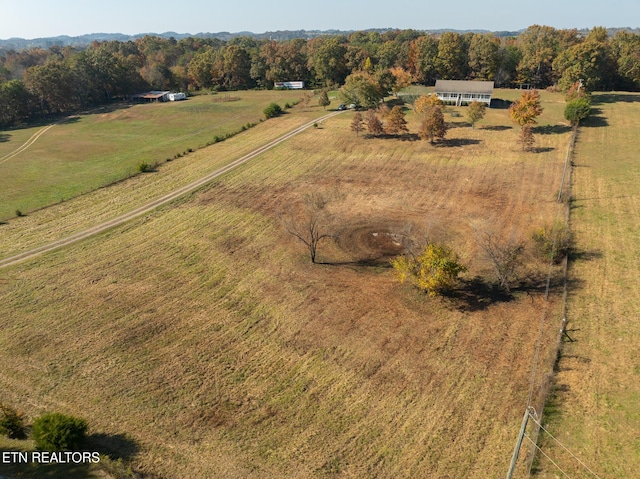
[144,167]
[554,241]
[272,111]
[435,271]
[19,213]
[11,423]
[57,432]
[577,109]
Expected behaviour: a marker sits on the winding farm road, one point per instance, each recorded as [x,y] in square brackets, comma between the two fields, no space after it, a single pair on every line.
[99,228]
[26,144]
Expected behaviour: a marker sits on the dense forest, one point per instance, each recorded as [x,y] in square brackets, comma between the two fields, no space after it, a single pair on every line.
[38,82]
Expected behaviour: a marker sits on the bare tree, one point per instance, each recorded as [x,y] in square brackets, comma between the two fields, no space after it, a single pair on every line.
[503,254]
[310,225]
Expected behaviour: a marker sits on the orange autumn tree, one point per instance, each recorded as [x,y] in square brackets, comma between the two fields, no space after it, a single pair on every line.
[402,79]
[425,103]
[396,124]
[526,109]
[525,112]
[433,125]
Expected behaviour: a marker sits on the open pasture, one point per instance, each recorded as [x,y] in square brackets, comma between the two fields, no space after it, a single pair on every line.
[595,406]
[88,151]
[203,333]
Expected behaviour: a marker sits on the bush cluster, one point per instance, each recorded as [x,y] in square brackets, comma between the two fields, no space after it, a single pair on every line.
[553,241]
[57,432]
[50,432]
[272,111]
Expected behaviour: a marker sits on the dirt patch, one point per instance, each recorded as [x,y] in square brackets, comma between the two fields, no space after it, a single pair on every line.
[375,241]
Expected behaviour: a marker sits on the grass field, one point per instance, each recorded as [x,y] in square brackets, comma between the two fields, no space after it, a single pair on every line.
[202,334]
[595,410]
[88,151]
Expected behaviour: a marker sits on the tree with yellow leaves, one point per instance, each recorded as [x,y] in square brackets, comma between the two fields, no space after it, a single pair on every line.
[435,271]
[424,103]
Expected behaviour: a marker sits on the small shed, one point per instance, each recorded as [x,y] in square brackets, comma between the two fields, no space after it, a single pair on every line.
[461,92]
[151,96]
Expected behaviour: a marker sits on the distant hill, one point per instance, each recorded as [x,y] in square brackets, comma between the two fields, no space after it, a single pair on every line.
[85,40]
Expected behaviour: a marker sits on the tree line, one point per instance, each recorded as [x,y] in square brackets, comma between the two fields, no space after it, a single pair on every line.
[39,82]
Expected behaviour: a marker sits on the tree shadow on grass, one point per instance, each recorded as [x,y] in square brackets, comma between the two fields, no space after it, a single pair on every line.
[551,129]
[110,108]
[580,255]
[541,149]
[453,142]
[409,137]
[390,136]
[496,127]
[500,104]
[16,469]
[476,294]
[595,119]
[116,446]
[378,263]
[615,98]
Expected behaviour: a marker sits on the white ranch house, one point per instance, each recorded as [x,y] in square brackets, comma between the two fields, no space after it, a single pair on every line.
[460,92]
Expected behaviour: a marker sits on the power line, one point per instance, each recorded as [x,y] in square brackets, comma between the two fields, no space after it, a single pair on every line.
[564,447]
[550,460]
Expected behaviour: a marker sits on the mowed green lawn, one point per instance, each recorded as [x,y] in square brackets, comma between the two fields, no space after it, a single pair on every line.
[91,150]
[595,411]
[202,333]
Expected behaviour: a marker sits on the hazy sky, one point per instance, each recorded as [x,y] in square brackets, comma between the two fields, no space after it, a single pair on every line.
[44,18]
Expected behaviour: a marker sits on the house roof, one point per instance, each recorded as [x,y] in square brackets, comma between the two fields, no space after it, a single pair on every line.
[462,86]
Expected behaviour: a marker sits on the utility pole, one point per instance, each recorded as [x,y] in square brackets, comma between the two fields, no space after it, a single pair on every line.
[516,450]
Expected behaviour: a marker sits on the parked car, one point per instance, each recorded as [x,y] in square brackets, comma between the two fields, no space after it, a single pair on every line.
[342,107]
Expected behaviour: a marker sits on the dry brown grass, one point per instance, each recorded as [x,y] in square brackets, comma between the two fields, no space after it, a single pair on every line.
[203,332]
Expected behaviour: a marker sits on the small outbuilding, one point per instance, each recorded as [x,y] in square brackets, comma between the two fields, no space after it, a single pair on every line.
[151,96]
[461,92]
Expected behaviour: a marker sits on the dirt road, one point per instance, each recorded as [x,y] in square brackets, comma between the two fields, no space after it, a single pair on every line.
[99,228]
[26,144]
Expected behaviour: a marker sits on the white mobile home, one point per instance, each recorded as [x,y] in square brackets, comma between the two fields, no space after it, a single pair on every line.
[289,85]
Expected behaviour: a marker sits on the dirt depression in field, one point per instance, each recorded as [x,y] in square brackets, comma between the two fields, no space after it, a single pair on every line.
[375,241]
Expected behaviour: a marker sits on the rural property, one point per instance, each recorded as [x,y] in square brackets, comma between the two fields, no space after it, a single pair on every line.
[221,287]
